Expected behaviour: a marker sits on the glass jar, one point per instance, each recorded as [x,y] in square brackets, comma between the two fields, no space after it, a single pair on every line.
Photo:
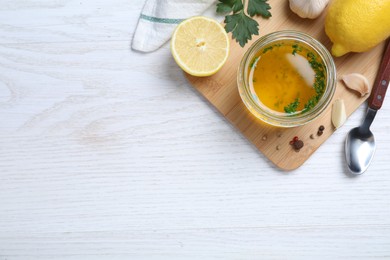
[252,101]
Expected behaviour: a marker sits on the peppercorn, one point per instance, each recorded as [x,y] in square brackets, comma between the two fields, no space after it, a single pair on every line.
[320,130]
[294,140]
[298,145]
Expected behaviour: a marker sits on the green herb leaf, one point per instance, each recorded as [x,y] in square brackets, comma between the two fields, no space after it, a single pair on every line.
[296,48]
[319,81]
[259,7]
[267,49]
[292,107]
[310,103]
[238,22]
[242,27]
[253,63]
[227,6]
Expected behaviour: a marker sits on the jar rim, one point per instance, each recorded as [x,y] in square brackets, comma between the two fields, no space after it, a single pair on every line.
[267,115]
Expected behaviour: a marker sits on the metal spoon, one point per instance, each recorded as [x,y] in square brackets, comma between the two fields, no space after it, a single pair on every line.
[360,142]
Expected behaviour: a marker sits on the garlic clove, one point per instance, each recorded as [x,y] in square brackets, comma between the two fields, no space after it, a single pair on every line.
[339,116]
[357,82]
[308,8]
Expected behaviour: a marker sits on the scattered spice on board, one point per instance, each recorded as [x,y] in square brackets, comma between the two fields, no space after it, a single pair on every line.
[264,137]
[311,136]
[278,147]
[320,130]
[294,140]
[296,143]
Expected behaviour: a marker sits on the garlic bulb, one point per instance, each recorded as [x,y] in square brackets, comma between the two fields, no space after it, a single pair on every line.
[339,116]
[357,82]
[308,8]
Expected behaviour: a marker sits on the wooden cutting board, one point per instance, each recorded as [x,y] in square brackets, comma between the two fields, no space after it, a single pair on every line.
[221,91]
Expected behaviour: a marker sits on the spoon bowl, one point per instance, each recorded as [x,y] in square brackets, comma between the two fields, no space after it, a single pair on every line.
[361,147]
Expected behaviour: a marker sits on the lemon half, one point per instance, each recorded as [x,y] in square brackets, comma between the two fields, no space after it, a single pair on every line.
[200,46]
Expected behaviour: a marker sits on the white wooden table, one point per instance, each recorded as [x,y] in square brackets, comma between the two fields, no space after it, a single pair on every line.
[106,153]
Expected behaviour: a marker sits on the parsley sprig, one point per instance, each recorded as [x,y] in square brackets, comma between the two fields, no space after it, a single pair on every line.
[241,23]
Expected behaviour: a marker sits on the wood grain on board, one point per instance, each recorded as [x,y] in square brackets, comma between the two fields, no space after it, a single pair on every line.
[221,91]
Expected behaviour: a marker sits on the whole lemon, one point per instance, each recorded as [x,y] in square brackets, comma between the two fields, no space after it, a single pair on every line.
[357,25]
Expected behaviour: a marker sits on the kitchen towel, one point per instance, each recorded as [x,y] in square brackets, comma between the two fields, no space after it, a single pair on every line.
[159,18]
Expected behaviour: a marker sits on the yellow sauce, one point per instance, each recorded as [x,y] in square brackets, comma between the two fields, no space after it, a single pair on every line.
[286,78]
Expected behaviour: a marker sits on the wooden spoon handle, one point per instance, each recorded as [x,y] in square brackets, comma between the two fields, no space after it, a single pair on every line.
[381,83]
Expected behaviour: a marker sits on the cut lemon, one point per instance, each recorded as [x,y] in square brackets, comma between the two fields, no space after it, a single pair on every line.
[200,46]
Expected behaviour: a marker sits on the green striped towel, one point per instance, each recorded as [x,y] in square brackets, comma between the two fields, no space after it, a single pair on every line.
[159,18]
